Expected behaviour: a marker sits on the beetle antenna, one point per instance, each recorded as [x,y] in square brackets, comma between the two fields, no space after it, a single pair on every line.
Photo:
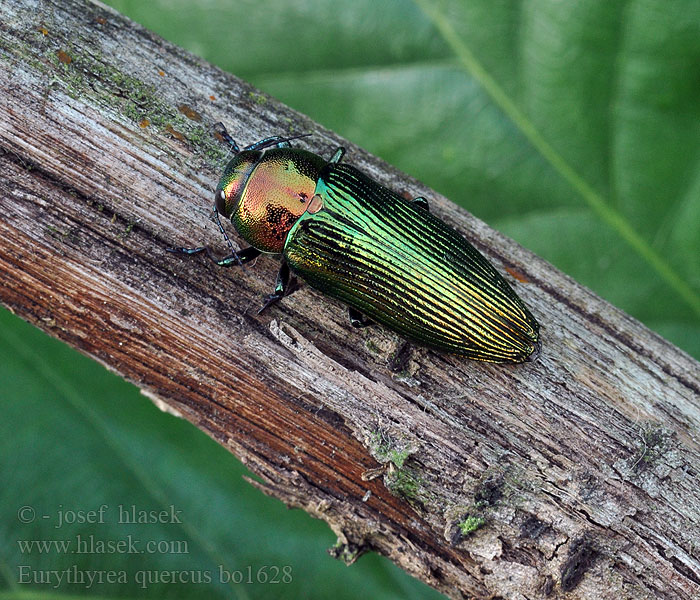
[217,220]
[296,137]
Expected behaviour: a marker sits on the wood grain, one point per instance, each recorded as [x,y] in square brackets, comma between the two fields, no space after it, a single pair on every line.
[579,471]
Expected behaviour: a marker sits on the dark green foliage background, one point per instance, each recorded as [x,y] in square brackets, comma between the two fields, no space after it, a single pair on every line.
[572,127]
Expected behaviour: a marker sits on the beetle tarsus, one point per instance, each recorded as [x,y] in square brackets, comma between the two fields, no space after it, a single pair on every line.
[285,286]
[235,259]
[357,319]
[188,251]
[269,300]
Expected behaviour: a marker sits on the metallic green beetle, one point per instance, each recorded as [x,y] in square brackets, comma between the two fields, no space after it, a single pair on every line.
[389,259]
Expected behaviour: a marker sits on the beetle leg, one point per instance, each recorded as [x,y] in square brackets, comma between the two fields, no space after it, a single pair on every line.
[221,130]
[237,258]
[275,140]
[285,286]
[337,155]
[421,202]
[357,319]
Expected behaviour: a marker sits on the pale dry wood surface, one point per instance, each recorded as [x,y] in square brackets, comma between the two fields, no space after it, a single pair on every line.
[580,469]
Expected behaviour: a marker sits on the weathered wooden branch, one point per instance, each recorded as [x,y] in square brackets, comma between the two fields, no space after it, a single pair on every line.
[574,474]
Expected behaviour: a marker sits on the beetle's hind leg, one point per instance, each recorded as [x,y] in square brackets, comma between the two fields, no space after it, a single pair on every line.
[421,202]
[357,319]
[237,258]
[285,286]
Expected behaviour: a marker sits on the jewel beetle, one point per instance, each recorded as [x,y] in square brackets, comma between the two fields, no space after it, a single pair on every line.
[387,258]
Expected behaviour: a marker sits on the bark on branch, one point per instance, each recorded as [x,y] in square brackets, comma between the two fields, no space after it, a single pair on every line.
[575,475]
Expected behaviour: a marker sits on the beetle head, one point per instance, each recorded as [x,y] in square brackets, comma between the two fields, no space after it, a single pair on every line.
[264,193]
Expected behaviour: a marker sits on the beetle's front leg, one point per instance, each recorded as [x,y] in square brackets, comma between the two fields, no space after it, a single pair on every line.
[237,258]
[285,286]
